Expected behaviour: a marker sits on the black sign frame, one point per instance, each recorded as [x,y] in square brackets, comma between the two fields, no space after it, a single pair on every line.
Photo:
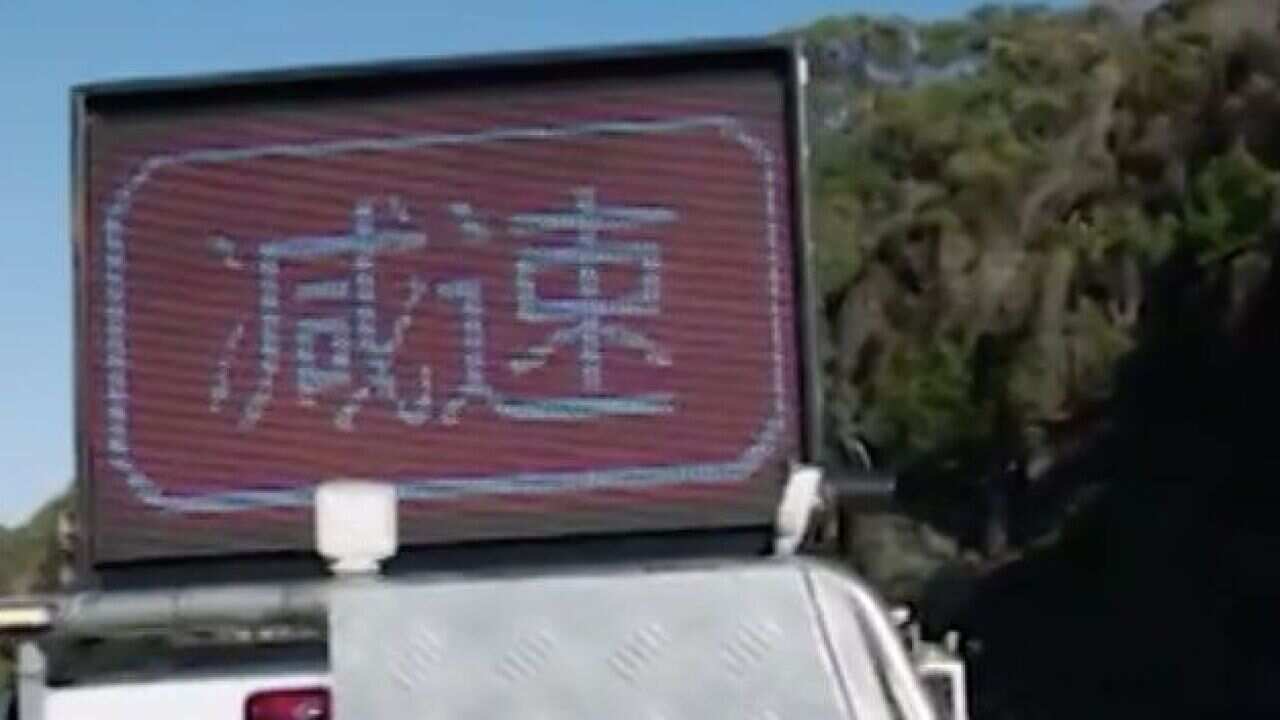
[371,80]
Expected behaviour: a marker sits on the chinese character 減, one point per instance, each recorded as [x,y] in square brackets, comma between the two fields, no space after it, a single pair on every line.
[357,346]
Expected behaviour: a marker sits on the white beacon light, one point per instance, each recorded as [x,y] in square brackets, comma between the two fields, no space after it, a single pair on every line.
[356,525]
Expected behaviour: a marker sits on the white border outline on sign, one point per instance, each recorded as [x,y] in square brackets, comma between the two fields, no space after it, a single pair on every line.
[115,317]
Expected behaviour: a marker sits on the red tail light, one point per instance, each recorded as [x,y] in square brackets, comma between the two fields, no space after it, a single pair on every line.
[302,704]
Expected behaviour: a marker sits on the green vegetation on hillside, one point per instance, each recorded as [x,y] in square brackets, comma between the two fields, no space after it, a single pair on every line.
[1046,247]
[25,552]
[987,242]
[28,562]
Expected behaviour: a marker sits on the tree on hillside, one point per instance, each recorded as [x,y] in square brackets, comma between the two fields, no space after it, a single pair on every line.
[985,242]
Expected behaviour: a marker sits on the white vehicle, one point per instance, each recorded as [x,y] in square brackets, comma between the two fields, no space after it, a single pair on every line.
[774,637]
[550,311]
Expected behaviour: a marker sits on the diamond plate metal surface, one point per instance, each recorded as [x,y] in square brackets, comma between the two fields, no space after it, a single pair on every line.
[739,642]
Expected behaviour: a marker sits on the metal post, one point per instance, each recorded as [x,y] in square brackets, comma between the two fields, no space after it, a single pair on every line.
[32,681]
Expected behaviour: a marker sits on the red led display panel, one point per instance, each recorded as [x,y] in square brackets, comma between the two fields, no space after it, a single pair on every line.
[538,308]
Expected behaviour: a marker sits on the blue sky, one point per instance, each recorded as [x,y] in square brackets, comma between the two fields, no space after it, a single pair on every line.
[45,47]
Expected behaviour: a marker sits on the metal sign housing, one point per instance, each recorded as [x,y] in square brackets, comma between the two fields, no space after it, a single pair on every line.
[548,296]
